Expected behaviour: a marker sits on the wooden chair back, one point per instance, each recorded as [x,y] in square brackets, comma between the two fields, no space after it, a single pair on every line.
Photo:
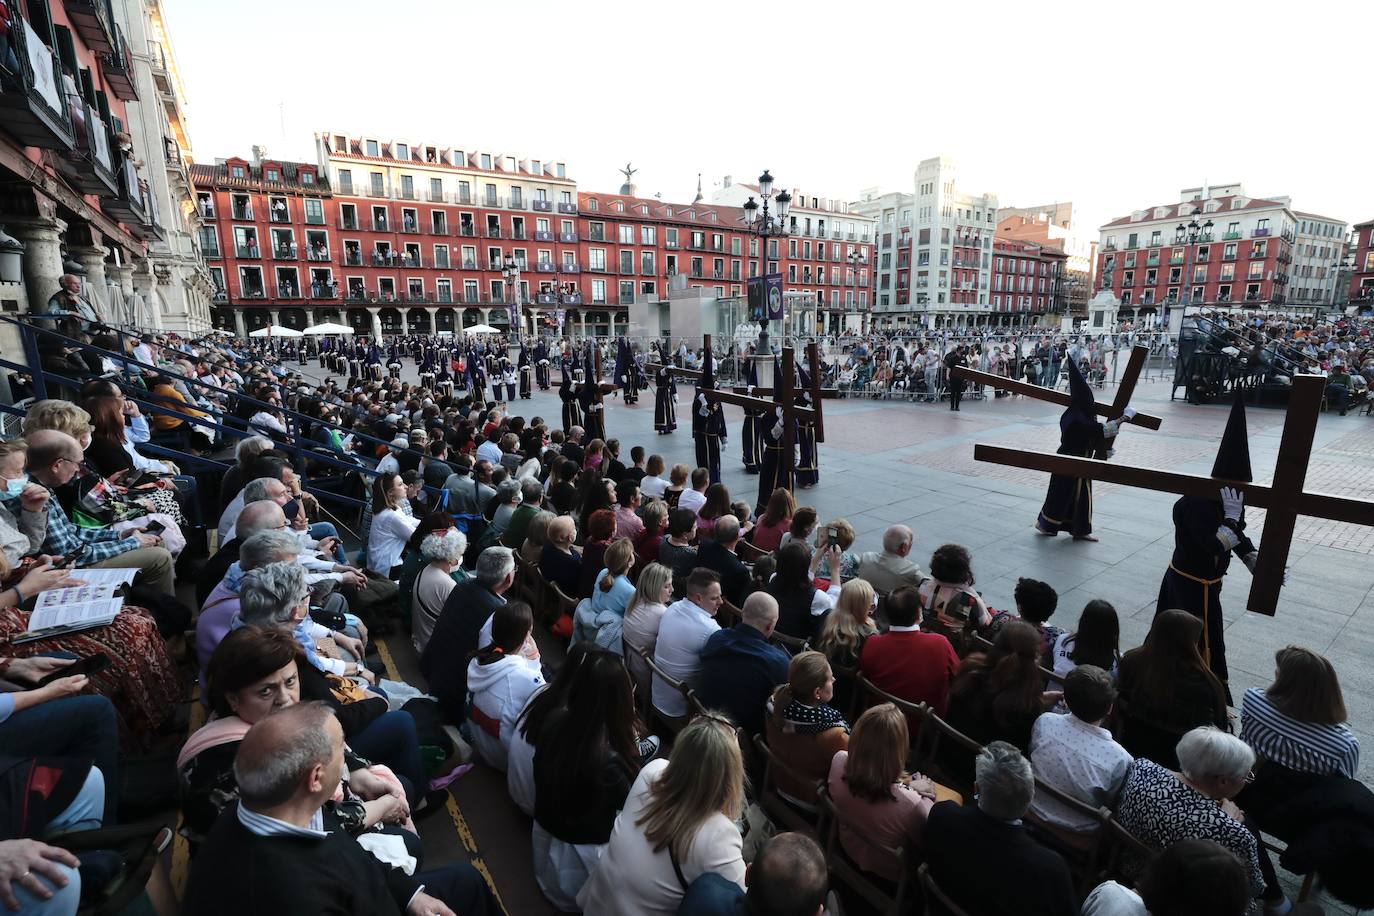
[789,814]
[790,644]
[937,901]
[562,604]
[892,903]
[671,724]
[750,554]
[727,615]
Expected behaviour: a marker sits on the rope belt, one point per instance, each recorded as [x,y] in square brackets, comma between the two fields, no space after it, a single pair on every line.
[1206,608]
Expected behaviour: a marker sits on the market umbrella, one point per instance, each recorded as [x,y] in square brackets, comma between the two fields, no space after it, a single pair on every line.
[328,327]
[481,329]
[276,330]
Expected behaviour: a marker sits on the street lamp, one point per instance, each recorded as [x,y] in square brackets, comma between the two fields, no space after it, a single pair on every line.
[511,271]
[857,260]
[768,218]
[1190,234]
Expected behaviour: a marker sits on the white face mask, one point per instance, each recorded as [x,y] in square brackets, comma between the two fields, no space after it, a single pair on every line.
[16,487]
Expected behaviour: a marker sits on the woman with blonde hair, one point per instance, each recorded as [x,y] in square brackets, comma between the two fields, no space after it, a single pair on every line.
[601,618]
[804,729]
[678,823]
[536,536]
[677,483]
[643,616]
[845,630]
[880,806]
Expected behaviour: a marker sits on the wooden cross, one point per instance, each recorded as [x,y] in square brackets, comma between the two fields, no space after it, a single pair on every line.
[1285,498]
[1111,411]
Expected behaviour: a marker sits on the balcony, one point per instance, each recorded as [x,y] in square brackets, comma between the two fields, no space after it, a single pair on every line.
[444,297]
[1259,233]
[243,214]
[544,267]
[469,265]
[464,197]
[380,224]
[1175,259]
[569,237]
[440,263]
[571,268]
[407,194]
[518,235]
[275,215]
[1152,260]
[247,251]
[416,298]
[319,255]
[492,200]
[1110,246]
[352,259]
[284,253]
[410,227]
[92,21]
[543,235]
[567,208]
[89,168]
[671,245]
[1257,252]
[517,203]
[323,292]
[348,222]
[467,230]
[434,197]
[542,206]
[219,296]
[286,291]
[493,232]
[118,68]
[129,204]
[1228,236]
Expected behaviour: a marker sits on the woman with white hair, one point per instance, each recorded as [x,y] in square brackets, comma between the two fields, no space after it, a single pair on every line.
[1160,807]
[276,595]
[443,552]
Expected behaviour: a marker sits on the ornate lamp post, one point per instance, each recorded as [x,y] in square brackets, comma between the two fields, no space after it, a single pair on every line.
[768,218]
[511,271]
[1190,234]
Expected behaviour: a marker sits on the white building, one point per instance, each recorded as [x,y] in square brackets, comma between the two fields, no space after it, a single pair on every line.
[1317,254]
[940,242]
[172,289]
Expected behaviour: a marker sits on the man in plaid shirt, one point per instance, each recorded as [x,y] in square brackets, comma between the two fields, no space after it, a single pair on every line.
[54,459]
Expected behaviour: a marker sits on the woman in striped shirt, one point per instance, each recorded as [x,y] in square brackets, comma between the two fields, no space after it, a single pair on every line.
[1299,722]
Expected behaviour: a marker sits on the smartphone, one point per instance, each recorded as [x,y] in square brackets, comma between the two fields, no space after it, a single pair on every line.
[91,664]
[832,535]
[68,560]
[154,527]
[144,479]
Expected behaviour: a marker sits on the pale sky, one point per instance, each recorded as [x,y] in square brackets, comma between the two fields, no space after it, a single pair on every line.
[1112,106]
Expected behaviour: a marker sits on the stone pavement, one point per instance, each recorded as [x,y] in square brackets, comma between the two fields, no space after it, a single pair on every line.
[895,461]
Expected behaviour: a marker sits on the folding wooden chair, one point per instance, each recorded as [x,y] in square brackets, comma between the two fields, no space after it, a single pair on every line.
[946,754]
[790,644]
[792,813]
[892,902]
[937,901]
[562,604]
[750,554]
[1082,851]
[671,724]
[727,615]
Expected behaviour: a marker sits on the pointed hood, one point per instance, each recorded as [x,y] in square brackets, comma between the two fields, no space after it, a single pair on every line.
[1083,407]
[566,383]
[707,382]
[751,373]
[622,364]
[1233,457]
[524,355]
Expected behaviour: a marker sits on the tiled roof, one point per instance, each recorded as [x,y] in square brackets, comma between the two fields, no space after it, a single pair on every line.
[701,214]
[1185,210]
[218,175]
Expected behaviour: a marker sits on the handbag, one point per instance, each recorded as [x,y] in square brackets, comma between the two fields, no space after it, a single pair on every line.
[345,690]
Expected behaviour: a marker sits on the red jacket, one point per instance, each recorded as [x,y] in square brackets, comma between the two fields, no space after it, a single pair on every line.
[912,665]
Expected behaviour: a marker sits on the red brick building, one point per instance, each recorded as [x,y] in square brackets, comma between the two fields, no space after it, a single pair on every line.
[1027,279]
[1362,278]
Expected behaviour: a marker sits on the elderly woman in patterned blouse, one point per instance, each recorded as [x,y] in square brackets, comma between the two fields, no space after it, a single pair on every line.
[1160,807]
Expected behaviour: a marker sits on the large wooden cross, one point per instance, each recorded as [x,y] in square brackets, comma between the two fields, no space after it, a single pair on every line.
[1111,411]
[1285,498]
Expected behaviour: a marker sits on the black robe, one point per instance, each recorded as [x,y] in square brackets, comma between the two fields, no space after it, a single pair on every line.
[708,434]
[753,442]
[774,472]
[572,411]
[1069,501]
[665,411]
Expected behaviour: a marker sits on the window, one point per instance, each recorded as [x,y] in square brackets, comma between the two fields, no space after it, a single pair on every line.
[564,197]
[517,197]
[273,175]
[486,161]
[408,187]
[377,184]
[372,148]
[599,291]
[402,151]
[314,211]
[436,189]
[491,193]
[646,263]
[627,261]
[627,234]
[596,258]
[238,172]
[209,241]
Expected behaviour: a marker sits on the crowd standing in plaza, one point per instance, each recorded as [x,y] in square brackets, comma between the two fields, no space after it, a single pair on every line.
[685,691]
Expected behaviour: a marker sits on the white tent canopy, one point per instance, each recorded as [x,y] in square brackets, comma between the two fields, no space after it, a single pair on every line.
[276,330]
[329,327]
[481,329]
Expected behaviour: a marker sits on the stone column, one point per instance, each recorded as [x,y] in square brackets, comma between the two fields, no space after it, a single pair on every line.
[272,314]
[376,314]
[42,264]
[143,282]
[240,325]
[93,259]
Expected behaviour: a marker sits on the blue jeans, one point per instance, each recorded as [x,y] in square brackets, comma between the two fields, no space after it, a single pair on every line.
[82,814]
[321,530]
[391,739]
[82,726]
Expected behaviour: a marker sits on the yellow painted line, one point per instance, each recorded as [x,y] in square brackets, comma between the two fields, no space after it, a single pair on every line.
[460,823]
[181,848]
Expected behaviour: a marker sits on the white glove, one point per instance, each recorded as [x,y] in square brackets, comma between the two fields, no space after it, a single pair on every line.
[1232,503]
[1111,428]
[1111,452]
[1251,558]
[1128,413]
[777,431]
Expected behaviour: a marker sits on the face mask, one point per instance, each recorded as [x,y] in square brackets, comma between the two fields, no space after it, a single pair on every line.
[16,487]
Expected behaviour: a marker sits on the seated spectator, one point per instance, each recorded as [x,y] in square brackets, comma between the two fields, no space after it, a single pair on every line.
[803,729]
[37,879]
[788,877]
[652,529]
[1298,724]
[1095,641]
[1190,878]
[717,504]
[694,498]
[1076,755]
[586,758]
[676,552]
[775,521]
[718,555]
[678,823]
[652,484]
[892,568]
[517,528]
[501,681]
[559,561]
[562,491]
[1032,880]
[740,668]
[1160,807]
[287,766]
[595,457]
[1035,603]
[653,592]
[880,806]
[844,539]
[742,511]
[443,554]
[682,633]
[536,536]
[504,504]
[254,673]
[275,595]
[1166,689]
[173,430]
[952,607]
[801,605]
[600,530]
[264,540]
[637,469]
[469,489]
[803,524]
[268,481]
[849,626]
[627,521]
[391,525]
[907,662]
[601,619]
[245,452]
[998,695]
[596,494]
[391,461]
[457,631]
[677,485]
[529,727]
[413,561]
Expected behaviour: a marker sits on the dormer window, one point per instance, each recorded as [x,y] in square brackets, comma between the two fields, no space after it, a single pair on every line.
[402,151]
[307,177]
[372,147]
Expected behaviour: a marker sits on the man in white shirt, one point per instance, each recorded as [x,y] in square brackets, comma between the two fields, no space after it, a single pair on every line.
[695,498]
[686,626]
[390,464]
[490,450]
[1076,755]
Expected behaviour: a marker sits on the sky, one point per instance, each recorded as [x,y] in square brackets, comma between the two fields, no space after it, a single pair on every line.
[1115,107]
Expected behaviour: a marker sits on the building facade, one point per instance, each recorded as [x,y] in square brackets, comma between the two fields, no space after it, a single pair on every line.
[1027,281]
[1243,260]
[177,295]
[941,245]
[73,189]
[1053,226]
[1318,248]
[1360,290]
